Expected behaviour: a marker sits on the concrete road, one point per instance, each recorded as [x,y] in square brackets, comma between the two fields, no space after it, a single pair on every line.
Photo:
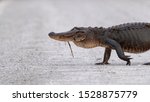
[28,56]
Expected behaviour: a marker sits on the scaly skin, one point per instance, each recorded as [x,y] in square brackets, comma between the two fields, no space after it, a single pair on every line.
[129,37]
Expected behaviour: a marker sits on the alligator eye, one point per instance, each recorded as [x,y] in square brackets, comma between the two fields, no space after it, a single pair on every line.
[80,32]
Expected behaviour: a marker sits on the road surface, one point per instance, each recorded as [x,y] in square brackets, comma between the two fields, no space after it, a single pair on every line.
[28,56]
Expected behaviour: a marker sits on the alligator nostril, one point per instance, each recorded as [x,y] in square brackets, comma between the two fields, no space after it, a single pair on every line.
[51,34]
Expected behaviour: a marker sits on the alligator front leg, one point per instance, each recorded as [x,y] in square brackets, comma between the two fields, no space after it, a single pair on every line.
[115,45]
[106,57]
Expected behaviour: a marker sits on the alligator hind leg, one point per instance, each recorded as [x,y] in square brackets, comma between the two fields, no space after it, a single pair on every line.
[119,50]
[147,63]
[106,57]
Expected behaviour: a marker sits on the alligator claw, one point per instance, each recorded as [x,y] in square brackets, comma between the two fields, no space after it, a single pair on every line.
[128,57]
[128,60]
[147,63]
[102,63]
[128,63]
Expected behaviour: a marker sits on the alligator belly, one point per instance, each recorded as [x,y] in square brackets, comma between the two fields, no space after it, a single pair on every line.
[87,43]
[136,49]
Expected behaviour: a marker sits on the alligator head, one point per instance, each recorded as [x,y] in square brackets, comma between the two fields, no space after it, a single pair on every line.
[85,37]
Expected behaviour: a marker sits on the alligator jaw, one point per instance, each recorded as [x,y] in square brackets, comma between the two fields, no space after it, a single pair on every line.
[64,36]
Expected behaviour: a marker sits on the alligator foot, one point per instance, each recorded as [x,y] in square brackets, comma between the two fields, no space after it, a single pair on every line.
[102,63]
[128,63]
[147,63]
[127,58]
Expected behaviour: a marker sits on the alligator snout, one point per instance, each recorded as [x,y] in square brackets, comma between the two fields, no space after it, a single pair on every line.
[60,36]
[51,34]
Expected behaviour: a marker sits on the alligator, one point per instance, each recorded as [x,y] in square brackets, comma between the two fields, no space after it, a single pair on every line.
[127,37]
